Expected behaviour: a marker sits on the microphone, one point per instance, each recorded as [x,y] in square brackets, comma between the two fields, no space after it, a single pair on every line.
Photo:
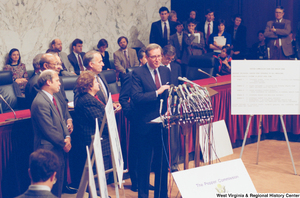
[2,98]
[188,81]
[160,110]
[182,92]
[200,70]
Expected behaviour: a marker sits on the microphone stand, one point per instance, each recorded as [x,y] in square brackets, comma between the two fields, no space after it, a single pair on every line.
[10,119]
[200,70]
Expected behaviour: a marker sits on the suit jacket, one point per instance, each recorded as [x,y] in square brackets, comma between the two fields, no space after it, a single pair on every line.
[175,73]
[125,95]
[120,60]
[73,60]
[37,193]
[201,27]
[144,96]
[175,42]
[239,43]
[298,40]
[282,34]
[49,126]
[156,35]
[64,59]
[32,89]
[192,48]
[87,109]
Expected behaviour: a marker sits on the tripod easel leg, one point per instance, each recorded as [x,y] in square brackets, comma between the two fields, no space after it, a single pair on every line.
[287,142]
[197,147]
[258,137]
[246,134]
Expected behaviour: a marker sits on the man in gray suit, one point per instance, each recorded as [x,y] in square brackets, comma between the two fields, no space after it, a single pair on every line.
[277,31]
[177,41]
[50,129]
[124,57]
[42,170]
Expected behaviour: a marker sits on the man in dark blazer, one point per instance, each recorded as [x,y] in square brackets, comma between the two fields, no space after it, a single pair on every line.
[162,30]
[149,86]
[76,56]
[177,41]
[50,129]
[208,25]
[277,31]
[43,165]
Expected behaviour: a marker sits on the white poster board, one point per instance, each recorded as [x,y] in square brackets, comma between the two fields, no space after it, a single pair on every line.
[265,87]
[208,181]
[99,163]
[92,186]
[114,139]
[221,144]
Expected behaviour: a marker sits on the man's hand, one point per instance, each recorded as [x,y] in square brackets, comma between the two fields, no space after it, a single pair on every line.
[273,29]
[70,125]
[178,60]
[162,89]
[68,145]
[21,80]
[117,106]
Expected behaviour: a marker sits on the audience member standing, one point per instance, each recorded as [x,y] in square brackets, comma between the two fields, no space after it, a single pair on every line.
[176,40]
[213,44]
[238,34]
[102,46]
[76,56]
[259,49]
[17,68]
[162,30]
[208,27]
[277,32]
[298,40]
[50,129]
[43,166]
[124,57]
[173,16]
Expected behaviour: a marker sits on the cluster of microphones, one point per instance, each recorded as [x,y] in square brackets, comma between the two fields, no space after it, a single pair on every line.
[187,104]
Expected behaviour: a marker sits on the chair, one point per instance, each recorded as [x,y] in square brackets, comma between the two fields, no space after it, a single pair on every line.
[69,85]
[203,62]
[110,77]
[112,64]
[10,92]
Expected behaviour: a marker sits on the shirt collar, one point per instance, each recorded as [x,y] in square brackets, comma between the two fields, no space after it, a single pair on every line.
[39,187]
[48,95]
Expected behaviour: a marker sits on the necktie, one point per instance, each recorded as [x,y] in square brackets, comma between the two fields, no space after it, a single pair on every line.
[277,40]
[165,31]
[55,104]
[208,33]
[102,89]
[156,79]
[80,63]
[127,61]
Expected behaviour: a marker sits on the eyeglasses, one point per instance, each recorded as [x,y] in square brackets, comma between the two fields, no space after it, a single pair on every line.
[155,57]
[169,59]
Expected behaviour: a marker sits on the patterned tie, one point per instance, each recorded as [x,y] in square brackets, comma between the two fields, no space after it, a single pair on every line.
[165,31]
[208,33]
[80,63]
[127,60]
[55,104]
[156,79]
[102,89]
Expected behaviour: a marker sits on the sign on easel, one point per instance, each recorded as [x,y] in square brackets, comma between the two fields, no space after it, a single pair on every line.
[208,181]
[114,140]
[221,144]
[265,87]
[92,186]
[99,163]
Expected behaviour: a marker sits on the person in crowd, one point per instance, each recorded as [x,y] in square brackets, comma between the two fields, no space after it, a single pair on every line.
[102,46]
[238,34]
[259,49]
[223,62]
[149,86]
[192,15]
[277,32]
[177,41]
[50,129]
[294,45]
[173,16]
[221,35]
[66,65]
[194,42]
[76,56]
[43,167]
[17,68]
[162,30]
[297,37]
[142,56]
[208,27]
[124,57]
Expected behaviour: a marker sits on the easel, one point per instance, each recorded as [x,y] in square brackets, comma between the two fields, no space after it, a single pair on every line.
[258,140]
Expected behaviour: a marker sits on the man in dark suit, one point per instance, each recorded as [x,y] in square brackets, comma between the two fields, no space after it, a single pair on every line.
[168,61]
[43,165]
[278,31]
[76,56]
[177,41]
[149,86]
[208,27]
[50,129]
[162,30]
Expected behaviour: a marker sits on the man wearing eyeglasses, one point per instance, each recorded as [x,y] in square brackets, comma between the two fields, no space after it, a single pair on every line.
[149,87]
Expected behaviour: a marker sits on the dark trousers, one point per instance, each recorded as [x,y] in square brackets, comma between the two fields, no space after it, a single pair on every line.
[58,186]
[152,142]
[133,155]
[174,144]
